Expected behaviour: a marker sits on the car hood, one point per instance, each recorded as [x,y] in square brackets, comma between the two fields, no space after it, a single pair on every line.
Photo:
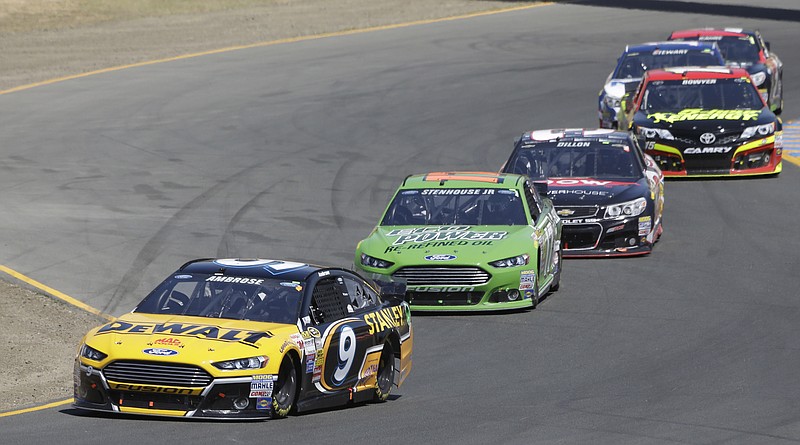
[695,119]
[448,245]
[589,191]
[198,340]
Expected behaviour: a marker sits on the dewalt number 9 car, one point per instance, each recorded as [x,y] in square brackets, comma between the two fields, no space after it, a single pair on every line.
[247,339]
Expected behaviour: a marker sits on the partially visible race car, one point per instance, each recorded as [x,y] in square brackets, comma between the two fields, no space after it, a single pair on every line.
[247,339]
[467,241]
[636,59]
[704,122]
[608,193]
[745,49]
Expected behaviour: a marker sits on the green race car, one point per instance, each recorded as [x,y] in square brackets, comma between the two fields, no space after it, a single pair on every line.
[466,241]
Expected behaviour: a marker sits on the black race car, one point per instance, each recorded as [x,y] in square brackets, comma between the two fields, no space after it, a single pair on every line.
[704,122]
[608,193]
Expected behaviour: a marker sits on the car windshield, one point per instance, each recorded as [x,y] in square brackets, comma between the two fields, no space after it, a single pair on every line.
[675,95]
[235,298]
[741,50]
[474,207]
[587,159]
[635,64]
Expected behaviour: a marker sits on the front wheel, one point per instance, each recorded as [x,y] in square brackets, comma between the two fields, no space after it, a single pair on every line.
[285,389]
[385,373]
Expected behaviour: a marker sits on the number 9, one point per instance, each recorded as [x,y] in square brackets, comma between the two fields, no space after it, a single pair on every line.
[347,352]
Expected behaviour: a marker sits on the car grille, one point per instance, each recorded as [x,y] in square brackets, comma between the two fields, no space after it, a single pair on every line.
[577,212]
[443,276]
[692,137]
[444,298]
[580,236]
[153,373]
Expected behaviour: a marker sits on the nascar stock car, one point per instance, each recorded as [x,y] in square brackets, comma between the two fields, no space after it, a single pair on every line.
[608,193]
[636,59]
[705,122]
[467,241]
[745,49]
[247,339]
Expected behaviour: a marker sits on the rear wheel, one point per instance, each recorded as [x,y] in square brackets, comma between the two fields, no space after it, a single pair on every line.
[285,391]
[385,373]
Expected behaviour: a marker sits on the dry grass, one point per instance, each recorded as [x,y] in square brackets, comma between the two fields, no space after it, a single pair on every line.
[46,15]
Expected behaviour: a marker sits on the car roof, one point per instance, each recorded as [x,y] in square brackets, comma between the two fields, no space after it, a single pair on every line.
[463,179]
[574,134]
[252,267]
[707,32]
[669,45]
[696,72]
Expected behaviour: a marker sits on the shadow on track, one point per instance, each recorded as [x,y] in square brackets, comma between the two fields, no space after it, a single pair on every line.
[741,11]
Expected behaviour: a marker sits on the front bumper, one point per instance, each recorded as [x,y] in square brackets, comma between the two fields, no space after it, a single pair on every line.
[93,391]
[761,156]
[507,288]
[605,237]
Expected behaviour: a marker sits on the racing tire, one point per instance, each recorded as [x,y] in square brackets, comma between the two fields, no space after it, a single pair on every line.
[385,375]
[284,392]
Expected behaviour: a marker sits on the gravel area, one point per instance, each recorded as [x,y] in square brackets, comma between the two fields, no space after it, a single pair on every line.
[47,39]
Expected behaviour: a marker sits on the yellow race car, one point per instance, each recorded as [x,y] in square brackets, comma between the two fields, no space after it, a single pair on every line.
[248,339]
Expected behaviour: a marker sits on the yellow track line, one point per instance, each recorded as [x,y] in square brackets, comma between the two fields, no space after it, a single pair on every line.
[273,42]
[49,290]
[35,408]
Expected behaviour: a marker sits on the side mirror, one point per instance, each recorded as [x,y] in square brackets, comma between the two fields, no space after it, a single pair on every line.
[627,103]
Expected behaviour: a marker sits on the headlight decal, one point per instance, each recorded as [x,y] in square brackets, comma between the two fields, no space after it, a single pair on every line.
[378,263]
[519,260]
[626,209]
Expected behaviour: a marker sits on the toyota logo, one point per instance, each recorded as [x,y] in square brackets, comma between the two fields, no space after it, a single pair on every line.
[707,138]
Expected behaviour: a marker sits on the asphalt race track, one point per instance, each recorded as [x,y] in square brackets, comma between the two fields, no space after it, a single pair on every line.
[109,182]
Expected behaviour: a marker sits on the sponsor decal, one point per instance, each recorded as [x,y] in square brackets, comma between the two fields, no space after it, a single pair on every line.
[323,273]
[169,341]
[254,394]
[387,318]
[186,329]
[699,81]
[281,267]
[573,144]
[706,150]
[554,192]
[263,403]
[525,286]
[160,351]
[442,233]
[441,289]
[433,244]
[153,388]
[240,280]
[182,277]
[457,192]
[699,114]
[262,382]
[440,257]
[310,366]
[669,52]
